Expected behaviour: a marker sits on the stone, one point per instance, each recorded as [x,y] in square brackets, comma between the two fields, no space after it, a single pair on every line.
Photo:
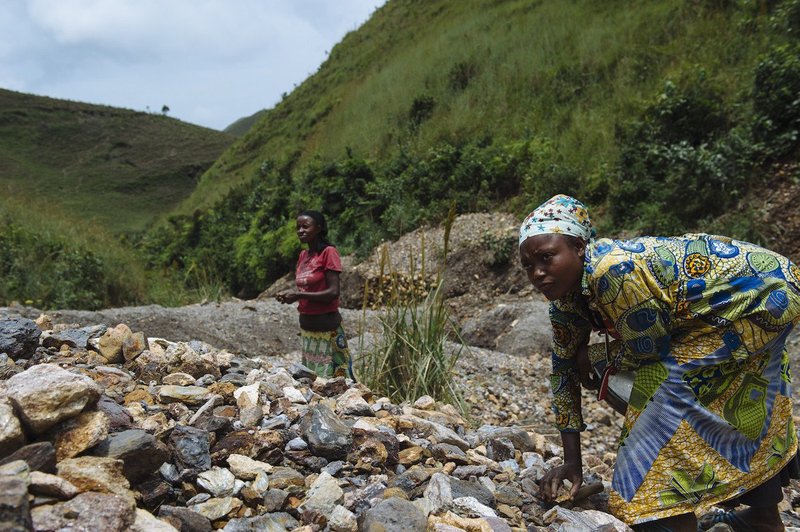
[435,431]
[326,435]
[274,500]
[109,345]
[323,495]
[46,394]
[15,513]
[184,519]
[218,481]
[134,345]
[182,358]
[279,522]
[118,416]
[412,455]
[285,477]
[246,468]
[74,338]
[438,493]
[249,395]
[394,515]
[19,337]
[87,511]
[75,435]
[453,522]
[215,508]
[178,379]
[444,452]
[93,473]
[500,449]
[584,520]
[11,435]
[190,395]
[342,520]
[470,505]
[191,448]
[467,488]
[140,452]
[351,403]
[518,437]
[250,416]
[426,402]
[40,456]
[294,395]
[139,395]
[51,486]
[147,522]
[296,444]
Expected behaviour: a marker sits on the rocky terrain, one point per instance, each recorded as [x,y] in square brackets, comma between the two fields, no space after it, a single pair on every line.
[201,417]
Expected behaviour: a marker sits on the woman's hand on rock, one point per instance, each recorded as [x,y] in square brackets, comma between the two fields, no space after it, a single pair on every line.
[551,481]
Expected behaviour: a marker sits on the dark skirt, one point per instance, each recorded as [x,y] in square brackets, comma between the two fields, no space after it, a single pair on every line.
[770,492]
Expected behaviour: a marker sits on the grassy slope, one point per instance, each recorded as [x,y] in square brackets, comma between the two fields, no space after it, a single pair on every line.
[566,70]
[119,167]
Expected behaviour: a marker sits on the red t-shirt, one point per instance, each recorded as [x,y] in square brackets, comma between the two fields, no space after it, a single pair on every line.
[310,277]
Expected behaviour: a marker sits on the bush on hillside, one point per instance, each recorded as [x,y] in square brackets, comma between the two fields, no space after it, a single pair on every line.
[776,100]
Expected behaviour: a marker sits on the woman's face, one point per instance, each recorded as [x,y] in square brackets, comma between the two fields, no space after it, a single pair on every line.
[307,229]
[554,263]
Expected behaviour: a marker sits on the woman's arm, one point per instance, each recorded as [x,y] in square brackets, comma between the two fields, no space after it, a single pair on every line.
[324,296]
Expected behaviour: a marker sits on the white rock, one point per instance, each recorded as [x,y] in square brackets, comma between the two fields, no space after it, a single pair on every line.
[472,506]
[439,493]
[248,396]
[217,508]
[245,467]
[342,520]
[45,394]
[294,395]
[11,435]
[324,494]
[218,481]
[147,522]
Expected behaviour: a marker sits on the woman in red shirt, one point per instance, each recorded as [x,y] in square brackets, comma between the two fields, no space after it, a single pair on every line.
[317,278]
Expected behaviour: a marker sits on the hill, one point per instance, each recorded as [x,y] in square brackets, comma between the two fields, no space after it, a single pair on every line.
[664,116]
[118,167]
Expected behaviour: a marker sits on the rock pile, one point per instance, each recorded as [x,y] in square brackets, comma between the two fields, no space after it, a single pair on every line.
[103,428]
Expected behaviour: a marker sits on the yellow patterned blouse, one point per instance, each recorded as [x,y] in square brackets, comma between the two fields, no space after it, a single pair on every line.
[703,320]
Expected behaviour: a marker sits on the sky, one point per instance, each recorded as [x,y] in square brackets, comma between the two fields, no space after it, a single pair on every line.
[210,62]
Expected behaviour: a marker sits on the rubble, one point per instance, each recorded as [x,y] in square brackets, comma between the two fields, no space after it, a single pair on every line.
[181,436]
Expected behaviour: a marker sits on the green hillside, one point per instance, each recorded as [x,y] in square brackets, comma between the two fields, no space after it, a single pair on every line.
[80,181]
[664,116]
[120,168]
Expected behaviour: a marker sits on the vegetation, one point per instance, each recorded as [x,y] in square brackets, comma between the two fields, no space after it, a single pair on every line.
[411,358]
[664,117]
[121,169]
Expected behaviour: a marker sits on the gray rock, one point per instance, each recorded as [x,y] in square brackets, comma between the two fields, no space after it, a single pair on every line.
[40,456]
[326,435]
[499,449]
[46,394]
[11,435]
[342,520]
[444,452]
[518,437]
[52,486]
[263,523]
[140,451]
[88,511]
[184,519]
[467,488]
[19,337]
[15,511]
[73,337]
[438,432]
[438,493]
[394,515]
[274,500]
[190,447]
[119,418]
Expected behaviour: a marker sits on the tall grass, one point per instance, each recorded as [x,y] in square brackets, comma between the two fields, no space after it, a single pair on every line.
[411,358]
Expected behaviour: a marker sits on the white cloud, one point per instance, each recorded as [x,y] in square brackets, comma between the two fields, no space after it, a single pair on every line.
[211,61]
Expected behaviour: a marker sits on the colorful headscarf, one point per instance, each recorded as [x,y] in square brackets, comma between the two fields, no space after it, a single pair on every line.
[560,214]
